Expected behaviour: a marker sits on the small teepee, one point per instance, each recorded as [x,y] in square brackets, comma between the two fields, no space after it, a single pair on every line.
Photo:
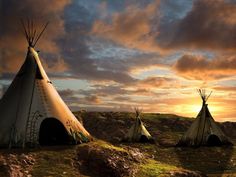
[138,132]
[204,131]
[31,110]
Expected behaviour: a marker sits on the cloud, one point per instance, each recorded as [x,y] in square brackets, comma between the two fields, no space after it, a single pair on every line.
[145,87]
[116,98]
[199,68]
[107,95]
[131,28]
[12,44]
[225,88]
[72,97]
[93,99]
[133,64]
[199,25]
[154,82]
[67,93]
[208,25]
[111,45]
[64,44]
[69,96]
[55,64]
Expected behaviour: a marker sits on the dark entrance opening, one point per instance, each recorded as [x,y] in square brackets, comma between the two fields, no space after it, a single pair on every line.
[52,132]
[143,139]
[213,140]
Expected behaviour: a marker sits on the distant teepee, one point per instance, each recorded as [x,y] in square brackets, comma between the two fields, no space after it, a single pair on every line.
[31,110]
[204,131]
[138,132]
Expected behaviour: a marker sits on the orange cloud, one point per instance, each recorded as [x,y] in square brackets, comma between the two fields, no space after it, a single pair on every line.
[57,66]
[154,82]
[13,44]
[225,88]
[200,68]
[131,28]
[93,99]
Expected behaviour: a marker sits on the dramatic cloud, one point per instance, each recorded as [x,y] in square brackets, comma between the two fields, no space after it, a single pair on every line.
[209,25]
[206,25]
[200,68]
[131,28]
[116,55]
[64,44]
[13,45]
[131,64]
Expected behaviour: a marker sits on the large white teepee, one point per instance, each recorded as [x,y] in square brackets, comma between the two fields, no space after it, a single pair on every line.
[31,110]
[204,131]
[138,132]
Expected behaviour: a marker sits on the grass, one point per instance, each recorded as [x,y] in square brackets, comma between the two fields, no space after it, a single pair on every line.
[156,116]
[125,115]
[106,145]
[153,168]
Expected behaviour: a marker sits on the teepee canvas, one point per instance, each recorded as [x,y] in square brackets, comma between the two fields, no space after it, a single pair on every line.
[204,131]
[138,132]
[31,110]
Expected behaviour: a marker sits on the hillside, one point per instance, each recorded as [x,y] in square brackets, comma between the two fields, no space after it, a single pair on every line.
[166,129]
[108,156]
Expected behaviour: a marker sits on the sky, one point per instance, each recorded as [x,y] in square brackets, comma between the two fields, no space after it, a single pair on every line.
[106,55]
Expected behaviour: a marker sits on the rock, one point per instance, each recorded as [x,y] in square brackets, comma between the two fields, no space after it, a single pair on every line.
[105,161]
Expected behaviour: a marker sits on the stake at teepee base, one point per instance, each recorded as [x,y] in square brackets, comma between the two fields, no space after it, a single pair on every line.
[31,110]
[204,131]
[138,132]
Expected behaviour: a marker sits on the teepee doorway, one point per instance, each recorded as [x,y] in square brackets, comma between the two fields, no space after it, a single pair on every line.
[213,140]
[53,132]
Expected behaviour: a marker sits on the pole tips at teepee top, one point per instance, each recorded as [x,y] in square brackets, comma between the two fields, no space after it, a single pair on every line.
[203,94]
[137,111]
[31,33]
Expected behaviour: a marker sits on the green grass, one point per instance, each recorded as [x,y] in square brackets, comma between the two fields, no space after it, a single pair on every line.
[152,168]
[104,144]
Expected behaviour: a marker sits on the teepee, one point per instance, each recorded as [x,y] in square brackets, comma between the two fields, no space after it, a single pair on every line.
[31,111]
[204,131]
[138,132]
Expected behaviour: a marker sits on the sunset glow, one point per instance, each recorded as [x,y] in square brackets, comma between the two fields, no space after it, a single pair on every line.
[116,55]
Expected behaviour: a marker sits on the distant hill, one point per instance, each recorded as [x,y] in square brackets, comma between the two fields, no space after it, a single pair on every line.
[166,129]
